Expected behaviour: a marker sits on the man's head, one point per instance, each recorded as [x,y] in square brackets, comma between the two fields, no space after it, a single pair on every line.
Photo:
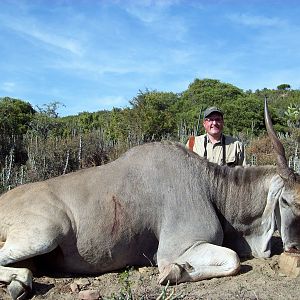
[213,122]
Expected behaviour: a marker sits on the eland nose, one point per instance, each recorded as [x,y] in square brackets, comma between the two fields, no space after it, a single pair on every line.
[292,248]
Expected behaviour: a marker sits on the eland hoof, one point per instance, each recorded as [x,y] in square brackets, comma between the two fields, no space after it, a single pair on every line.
[171,273]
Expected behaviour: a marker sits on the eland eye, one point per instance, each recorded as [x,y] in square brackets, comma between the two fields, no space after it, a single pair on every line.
[284,202]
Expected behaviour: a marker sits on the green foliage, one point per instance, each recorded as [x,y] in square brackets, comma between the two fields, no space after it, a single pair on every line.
[293,115]
[15,116]
[86,122]
[283,87]
[127,291]
[166,294]
[280,99]
[38,144]
[46,121]
[120,124]
[202,94]
[154,114]
[244,114]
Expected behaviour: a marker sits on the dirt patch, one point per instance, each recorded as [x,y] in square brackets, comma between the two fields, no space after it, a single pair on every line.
[258,279]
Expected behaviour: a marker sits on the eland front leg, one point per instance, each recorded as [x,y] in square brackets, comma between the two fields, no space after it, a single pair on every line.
[201,261]
[19,281]
[39,238]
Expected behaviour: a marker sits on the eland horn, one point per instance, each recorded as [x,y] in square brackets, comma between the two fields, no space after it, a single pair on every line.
[282,166]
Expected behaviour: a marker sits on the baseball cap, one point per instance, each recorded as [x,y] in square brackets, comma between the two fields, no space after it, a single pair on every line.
[211,110]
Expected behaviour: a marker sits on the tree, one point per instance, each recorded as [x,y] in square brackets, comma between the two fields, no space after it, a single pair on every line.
[283,87]
[244,114]
[15,116]
[155,114]
[202,94]
[46,120]
[118,125]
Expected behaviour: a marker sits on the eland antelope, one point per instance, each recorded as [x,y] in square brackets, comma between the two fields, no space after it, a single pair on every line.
[157,200]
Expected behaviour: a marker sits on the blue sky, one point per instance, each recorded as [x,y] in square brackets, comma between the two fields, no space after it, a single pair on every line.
[93,55]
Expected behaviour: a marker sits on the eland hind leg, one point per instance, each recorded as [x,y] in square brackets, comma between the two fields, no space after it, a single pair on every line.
[201,261]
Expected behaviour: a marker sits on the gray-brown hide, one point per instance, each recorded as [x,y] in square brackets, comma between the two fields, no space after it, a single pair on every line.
[158,197]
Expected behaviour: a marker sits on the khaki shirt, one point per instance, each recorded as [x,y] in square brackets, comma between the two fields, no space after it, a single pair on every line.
[234,150]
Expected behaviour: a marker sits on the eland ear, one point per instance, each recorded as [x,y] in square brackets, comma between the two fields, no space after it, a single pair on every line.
[275,190]
[268,221]
[282,166]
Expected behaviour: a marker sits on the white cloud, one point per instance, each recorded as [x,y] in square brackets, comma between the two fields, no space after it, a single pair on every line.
[55,40]
[148,10]
[31,28]
[113,66]
[156,15]
[108,102]
[255,21]
[8,86]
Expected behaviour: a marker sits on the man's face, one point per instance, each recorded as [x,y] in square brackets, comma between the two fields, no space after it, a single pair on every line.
[214,124]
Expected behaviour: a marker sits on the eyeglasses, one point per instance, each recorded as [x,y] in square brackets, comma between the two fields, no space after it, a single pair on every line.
[217,120]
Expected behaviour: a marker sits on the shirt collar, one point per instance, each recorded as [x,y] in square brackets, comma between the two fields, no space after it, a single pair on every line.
[218,142]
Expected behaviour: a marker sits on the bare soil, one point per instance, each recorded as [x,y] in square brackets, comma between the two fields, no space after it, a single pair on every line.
[258,279]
